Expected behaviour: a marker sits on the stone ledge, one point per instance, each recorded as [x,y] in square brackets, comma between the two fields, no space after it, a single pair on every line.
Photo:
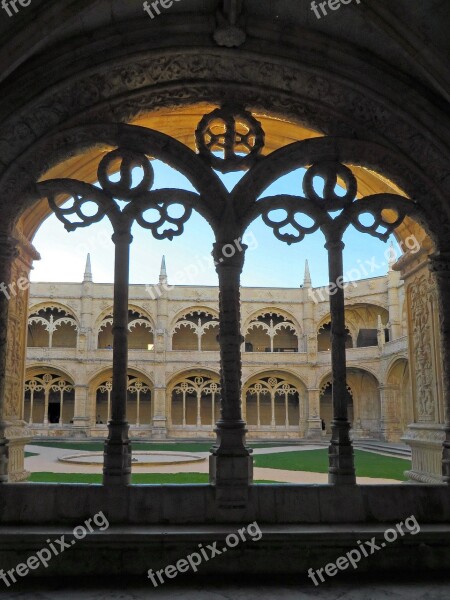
[283,549]
[70,504]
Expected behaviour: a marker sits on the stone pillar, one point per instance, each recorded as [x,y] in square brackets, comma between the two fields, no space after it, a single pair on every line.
[342,469]
[159,431]
[81,417]
[117,454]
[357,431]
[231,465]
[161,342]
[390,428]
[394,305]
[16,258]
[310,335]
[440,266]
[314,431]
[428,436]
[86,343]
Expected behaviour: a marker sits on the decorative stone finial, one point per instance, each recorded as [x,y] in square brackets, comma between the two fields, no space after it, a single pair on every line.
[392,259]
[163,271]
[307,277]
[88,270]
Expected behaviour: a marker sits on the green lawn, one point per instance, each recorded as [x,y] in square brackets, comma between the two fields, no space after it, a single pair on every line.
[175,447]
[316,461]
[154,478]
[28,454]
[368,464]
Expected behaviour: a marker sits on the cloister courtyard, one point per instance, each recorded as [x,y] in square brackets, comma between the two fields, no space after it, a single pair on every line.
[224,299]
[187,462]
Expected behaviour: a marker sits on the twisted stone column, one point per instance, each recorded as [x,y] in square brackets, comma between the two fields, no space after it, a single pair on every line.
[342,469]
[440,266]
[231,465]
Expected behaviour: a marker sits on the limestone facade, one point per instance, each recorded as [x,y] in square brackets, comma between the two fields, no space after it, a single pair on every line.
[174,383]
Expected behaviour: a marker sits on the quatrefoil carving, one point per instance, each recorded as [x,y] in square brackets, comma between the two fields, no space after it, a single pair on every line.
[234,133]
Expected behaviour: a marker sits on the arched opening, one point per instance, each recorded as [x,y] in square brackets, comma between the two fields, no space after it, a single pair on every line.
[398,406]
[194,402]
[196,330]
[52,327]
[274,405]
[324,338]
[139,326]
[48,400]
[387,222]
[326,406]
[271,332]
[139,401]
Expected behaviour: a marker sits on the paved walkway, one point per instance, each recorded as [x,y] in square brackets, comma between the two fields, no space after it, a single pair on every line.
[47,461]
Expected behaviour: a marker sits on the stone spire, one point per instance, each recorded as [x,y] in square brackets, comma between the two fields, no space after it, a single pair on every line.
[392,259]
[307,277]
[88,270]
[163,271]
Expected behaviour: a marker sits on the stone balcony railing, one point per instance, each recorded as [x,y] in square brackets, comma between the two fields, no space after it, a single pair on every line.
[398,345]
[367,353]
[103,355]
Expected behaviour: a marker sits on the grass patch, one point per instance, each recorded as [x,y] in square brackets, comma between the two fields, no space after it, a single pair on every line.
[28,454]
[157,447]
[136,478]
[367,464]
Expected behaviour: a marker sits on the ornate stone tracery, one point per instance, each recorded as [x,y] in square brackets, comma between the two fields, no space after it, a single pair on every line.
[201,389]
[47,383]
[426,403]
[330,159]
[229,214]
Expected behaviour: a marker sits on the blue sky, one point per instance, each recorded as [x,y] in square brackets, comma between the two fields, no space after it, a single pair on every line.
[269,262]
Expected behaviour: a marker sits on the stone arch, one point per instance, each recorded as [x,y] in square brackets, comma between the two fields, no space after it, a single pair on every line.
[194,399]
[52,324]
[139,401]
[397,398]
[272,330]
[324,333]
[51,304]
[326,403]
[365,409]
[49,397]
[275,401]
[381,115]
[140,326]
[381,120]
[195,329]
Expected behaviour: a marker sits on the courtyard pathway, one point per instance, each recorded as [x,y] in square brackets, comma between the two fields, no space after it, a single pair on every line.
[47,461]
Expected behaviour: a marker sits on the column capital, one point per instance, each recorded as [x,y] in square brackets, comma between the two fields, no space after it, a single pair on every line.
[229,255]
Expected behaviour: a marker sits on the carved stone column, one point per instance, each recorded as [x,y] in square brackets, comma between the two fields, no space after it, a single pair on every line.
[342,469]
[7,253]
[440,266]
[427,435]
[117,454]
[231,465]
[161,340]
[16,258]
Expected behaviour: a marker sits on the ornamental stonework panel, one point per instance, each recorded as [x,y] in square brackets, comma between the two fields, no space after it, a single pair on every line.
[422,336]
